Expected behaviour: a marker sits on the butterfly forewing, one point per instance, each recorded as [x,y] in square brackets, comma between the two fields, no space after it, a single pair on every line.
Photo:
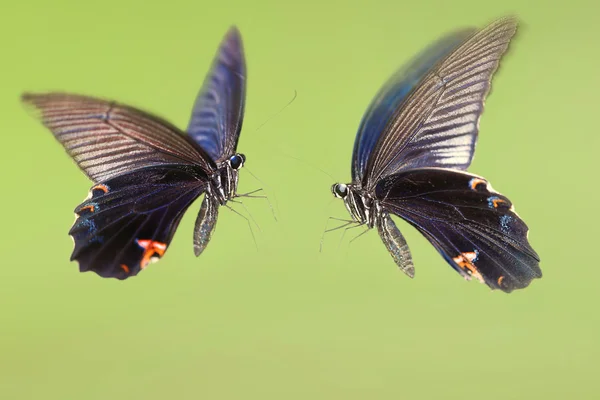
[107,139]
[475,228]
[393,93]
[217,115]
[437,124]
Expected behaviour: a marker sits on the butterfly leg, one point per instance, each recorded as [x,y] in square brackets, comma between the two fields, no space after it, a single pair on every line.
[250,196]
[359,235]
[346,230]
[268,188]
[249,224]
[346,223]
[248,211]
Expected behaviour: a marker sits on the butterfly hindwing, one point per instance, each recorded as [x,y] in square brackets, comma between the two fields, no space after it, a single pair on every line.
[474,228]
[218,113]
[129,221]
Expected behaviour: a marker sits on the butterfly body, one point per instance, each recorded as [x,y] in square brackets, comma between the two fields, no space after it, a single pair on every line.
[411,152]
[224,180]
[358,202]
[146,171]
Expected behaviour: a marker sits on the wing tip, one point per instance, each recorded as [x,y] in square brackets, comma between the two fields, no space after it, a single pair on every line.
[31,99]
[231,50]
[42,100]
[107,273]
[509,23]
[32,103]
[233,32]
[507,19]
[233,38]
[27,97]
[518,284]
[38,97]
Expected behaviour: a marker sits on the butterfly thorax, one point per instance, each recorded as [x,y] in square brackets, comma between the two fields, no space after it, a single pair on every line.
[224,181]
[361,206]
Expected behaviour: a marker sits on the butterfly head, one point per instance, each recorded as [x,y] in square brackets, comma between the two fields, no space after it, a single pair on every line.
[339,190]
[225,179]
[359,205]
[237,161]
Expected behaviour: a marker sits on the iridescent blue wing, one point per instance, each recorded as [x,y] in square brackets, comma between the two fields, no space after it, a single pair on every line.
[128,221]
[107,139]
[392,94]
[218,113]
[474,228]
[437,124]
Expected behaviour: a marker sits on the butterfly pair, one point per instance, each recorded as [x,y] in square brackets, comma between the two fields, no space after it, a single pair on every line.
[413,144]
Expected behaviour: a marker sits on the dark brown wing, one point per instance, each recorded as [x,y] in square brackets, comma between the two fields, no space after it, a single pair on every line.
[107,139]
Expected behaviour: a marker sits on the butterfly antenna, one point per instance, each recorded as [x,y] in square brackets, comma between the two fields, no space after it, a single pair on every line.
[278,112]
[249,224]
[266,197]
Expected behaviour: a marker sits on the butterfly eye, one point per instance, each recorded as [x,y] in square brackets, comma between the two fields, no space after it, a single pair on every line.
[339,190]
[237,161]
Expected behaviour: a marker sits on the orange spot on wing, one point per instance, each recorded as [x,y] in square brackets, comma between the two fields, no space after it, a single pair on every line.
[498,202]
[151,248]
[90,207]
[125,268]
[102,187]
[475,182]
[465,262]
[500,280]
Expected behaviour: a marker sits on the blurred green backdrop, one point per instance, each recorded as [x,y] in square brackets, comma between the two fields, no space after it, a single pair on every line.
[288,322]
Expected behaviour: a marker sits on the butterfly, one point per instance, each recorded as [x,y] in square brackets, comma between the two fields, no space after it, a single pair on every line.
[146,171]
[411,152]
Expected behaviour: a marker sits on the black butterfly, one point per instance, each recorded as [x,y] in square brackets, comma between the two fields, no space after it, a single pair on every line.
[412,146]
[146,171]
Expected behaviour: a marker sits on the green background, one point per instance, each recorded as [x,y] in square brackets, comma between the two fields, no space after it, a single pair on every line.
[288,322]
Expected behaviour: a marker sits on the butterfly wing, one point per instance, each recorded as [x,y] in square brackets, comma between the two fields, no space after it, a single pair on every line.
[393,93]
[474,228]
[147,173]
[437,123]
[218,112]
[107,139]
[129,220]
